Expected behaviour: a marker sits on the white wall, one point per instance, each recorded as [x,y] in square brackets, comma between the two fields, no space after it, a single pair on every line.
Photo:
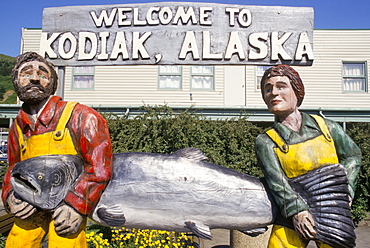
[137,85]
[323,80]
[234,85]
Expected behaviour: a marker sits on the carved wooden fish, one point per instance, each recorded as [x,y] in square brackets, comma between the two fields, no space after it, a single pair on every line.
[176,192]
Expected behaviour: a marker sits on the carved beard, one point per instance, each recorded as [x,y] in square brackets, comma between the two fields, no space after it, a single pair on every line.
[34,96]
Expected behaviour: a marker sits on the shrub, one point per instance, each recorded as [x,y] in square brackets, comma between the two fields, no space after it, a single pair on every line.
[360,133]
[160,129]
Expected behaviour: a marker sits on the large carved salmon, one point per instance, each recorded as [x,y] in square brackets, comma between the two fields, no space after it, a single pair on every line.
[177,192]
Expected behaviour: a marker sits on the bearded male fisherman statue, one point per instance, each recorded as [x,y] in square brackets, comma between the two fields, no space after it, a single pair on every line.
[46,125]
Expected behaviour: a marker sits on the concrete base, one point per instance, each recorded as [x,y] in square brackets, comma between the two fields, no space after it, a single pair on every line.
[241,240]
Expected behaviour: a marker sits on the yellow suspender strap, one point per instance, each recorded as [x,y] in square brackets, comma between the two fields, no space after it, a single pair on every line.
[323,127]
[20,137]
[59,131]
[285,148]
[278,140]
[58,134]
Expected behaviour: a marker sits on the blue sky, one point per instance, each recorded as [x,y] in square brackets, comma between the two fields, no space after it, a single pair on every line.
[329,14]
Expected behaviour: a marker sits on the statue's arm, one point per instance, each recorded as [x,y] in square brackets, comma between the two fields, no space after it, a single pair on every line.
[289,202]
[90,133]
[13,158]
[21,209]
[348,152]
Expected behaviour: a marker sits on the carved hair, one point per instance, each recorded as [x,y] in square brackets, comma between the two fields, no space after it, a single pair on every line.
[32,56]
[294,78]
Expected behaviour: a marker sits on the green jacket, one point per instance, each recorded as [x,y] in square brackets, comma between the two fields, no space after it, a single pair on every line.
[289,202]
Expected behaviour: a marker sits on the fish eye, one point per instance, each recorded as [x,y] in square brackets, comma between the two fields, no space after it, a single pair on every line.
[57,179]
[40,177]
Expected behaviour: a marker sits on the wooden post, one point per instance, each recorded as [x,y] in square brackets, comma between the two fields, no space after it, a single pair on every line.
[61,81]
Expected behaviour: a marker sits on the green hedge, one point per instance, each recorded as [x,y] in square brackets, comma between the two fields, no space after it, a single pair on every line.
[229,143]
[360,133]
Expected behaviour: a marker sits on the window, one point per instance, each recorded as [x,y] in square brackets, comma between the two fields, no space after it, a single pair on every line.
[202,77]
[83,77]
[354,77]
[260,70]
[170,77]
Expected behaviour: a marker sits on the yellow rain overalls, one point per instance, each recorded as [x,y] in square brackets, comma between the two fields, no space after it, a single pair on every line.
[296,160]
[32,231]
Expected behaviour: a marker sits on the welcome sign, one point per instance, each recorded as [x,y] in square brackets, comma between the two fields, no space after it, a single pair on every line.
[177,33]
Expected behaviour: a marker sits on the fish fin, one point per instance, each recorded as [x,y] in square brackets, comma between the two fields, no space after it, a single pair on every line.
[202,231]
[113,217]
[255,231]
[190,153]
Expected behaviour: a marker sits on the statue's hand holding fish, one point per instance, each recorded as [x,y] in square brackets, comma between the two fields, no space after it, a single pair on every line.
[67,220]
[21,209]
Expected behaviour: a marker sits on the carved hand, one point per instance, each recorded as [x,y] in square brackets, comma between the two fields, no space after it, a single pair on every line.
[67,221]
[304,224]
[20,208]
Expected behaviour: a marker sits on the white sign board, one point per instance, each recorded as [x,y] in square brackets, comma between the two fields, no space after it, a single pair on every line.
[177,33]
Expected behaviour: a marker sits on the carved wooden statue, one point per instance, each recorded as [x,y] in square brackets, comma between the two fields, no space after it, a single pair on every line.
[310,165]
[46,125]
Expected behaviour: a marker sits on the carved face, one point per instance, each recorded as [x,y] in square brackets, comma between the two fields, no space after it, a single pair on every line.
[279,96]
[34,79]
